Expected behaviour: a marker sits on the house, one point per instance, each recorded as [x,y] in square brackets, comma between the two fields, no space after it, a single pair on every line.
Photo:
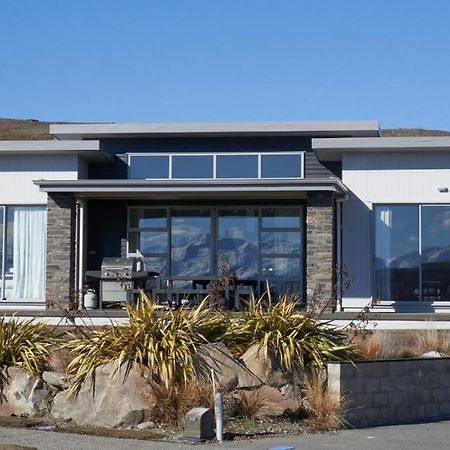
[296,204]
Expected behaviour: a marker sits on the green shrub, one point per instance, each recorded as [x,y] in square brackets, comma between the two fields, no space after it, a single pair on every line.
[25,344]
[295,337]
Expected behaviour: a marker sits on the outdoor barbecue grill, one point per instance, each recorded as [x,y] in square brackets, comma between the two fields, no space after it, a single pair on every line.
[118,279]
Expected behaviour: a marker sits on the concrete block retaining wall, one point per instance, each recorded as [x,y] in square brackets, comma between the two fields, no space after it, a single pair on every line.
[393,391]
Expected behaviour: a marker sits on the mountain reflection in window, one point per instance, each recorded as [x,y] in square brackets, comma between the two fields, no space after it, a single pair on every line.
[191,242]
[238,242]
[397,259]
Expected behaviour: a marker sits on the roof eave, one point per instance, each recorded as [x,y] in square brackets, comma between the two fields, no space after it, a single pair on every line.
[317,128]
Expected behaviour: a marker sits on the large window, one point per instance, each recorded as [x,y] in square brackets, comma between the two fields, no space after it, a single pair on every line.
[412,252]
[22,250]
[257,244]
[216,165]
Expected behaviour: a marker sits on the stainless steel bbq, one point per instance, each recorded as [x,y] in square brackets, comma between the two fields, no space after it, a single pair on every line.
[118,268]
[116,280]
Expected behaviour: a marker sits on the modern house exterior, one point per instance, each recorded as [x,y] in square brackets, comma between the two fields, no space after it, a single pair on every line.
[297,205]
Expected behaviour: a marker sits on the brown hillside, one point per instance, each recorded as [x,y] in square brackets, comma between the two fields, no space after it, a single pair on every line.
[410,132]
[17,129]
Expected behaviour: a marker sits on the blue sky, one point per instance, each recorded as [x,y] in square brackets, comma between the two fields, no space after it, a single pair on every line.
[226,60]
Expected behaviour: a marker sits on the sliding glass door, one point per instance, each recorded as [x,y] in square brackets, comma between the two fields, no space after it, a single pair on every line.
[435,250]
[194,243]
[412,252]
[22,245]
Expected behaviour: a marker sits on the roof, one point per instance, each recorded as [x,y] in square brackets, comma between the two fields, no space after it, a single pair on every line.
[88,149]
[332,149]
[316,128]
[181,189]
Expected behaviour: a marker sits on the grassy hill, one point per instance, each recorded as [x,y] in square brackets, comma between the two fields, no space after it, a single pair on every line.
[409,132]
[17,129]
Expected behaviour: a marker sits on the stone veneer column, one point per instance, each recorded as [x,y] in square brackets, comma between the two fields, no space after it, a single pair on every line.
[320,249]
[61,232]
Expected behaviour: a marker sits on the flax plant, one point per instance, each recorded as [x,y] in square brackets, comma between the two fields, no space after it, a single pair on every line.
[25,344]
[160,340]
[296,338]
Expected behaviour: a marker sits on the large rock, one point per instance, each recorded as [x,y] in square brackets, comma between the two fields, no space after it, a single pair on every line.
[58,380]
[268,369]
[120,396]
[24,395]
[229,372]
[269,402]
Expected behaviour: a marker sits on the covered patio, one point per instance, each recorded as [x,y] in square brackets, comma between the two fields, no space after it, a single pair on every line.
[188,236]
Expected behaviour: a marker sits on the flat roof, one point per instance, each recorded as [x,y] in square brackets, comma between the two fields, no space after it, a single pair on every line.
[332,149]
[89,149]
[313,128]
[184,189]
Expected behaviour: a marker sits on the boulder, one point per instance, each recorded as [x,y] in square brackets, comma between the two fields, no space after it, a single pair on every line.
[292,391]
[229,372]
[24,394]
[267,369]
[433,355]
[271,402]
[118,396]
[56,379]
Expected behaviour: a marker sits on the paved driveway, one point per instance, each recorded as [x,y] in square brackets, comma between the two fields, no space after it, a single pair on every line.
[410,437]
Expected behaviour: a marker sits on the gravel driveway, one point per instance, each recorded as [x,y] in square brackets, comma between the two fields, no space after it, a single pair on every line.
[411,437]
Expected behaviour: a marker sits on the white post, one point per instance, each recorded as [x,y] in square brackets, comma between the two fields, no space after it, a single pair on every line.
[218,410]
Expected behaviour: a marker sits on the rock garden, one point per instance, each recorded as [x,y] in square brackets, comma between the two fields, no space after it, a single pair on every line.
[144,376]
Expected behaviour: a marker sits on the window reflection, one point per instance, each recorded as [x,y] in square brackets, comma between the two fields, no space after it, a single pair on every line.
[238,242]
[397,259]
[142,167]
[191,242]
[435,253]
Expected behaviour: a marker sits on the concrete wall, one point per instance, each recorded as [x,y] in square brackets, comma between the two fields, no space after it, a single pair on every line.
[392,392]
[18,172]
[382,178]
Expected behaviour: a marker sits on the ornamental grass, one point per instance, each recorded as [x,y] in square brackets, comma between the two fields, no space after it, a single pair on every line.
[297,339]
[25,344]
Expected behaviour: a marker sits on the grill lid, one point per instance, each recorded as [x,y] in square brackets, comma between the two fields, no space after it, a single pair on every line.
[118,267]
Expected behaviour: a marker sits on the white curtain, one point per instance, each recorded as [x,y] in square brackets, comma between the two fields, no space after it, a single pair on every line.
[383,228]
[29,252]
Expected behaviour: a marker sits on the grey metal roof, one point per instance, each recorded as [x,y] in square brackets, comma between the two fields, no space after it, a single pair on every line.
[89,149]
[180,189]
[332,149]
[313,128]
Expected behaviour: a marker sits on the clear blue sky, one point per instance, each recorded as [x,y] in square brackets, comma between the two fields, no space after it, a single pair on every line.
[226,60]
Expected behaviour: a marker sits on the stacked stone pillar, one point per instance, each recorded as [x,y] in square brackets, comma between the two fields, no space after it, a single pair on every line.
[320,250]
[61,238]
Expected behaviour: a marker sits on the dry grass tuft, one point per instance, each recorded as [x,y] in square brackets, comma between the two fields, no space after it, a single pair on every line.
[251,404]
[326,411]
[432,340]
[387,345]
[173,403]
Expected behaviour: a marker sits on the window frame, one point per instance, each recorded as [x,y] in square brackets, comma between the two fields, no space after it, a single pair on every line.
[373,246]
[170,155]
[214,238]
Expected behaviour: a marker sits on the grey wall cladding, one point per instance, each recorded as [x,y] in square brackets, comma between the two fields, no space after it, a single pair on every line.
[392,392]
